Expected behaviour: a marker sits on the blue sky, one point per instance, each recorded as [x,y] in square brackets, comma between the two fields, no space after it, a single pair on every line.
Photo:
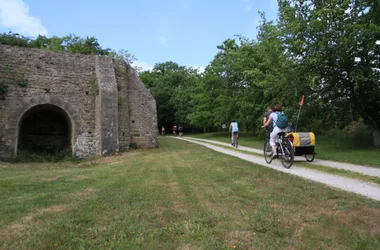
[183,31]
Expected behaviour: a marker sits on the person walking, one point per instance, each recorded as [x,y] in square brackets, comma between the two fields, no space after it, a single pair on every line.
[163,130]
[180,130]
[174,130]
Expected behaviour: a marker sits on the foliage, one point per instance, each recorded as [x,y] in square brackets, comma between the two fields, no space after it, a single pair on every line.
[120,101]
[94,86]
[171,85]
[9,77]
[133,145]
[70,43]
[324,40]
[309,51]
[60,156]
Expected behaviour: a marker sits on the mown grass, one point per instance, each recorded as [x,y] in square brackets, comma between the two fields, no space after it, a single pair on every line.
[180,196]
[327,147]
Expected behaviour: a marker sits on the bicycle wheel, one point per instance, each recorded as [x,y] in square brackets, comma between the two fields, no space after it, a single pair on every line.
[287,157]
[267,152]
[310,158]
[236,142]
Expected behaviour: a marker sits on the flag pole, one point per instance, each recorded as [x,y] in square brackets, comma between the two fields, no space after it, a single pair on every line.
[298,116]
[299,111]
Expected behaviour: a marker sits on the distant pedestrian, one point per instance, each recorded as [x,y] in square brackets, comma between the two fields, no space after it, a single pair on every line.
[180,130]
[163,130]
[174,130]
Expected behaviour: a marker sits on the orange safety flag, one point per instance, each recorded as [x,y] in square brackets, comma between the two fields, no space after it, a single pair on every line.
[302,100]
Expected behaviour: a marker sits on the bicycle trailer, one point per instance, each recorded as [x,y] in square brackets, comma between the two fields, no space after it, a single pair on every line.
[303,144]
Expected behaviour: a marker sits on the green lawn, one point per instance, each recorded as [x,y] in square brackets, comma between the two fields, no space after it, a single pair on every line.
[181,196]
[328,148]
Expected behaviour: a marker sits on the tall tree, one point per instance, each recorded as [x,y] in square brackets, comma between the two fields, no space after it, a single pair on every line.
[326,37]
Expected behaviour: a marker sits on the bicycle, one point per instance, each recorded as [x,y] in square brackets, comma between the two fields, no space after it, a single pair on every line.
[236,140]
[284,148]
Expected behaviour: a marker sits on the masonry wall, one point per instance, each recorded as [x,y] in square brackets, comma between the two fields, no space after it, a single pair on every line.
[123,105]
[106,102]
[142,111]
[107,110]
[61,79]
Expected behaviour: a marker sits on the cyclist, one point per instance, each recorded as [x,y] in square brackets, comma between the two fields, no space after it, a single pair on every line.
[272,121]
[266,117]
[234,128]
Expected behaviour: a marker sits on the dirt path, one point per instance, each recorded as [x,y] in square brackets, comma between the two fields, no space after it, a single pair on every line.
[348,184]
[332,164]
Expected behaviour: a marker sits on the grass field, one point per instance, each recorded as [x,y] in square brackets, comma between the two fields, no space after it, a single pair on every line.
[328,148]
[181,196]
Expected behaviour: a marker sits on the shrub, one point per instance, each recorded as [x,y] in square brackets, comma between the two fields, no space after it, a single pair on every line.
[133,145]
[59,156]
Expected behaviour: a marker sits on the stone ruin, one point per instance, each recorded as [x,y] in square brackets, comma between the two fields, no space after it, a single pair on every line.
[83,104]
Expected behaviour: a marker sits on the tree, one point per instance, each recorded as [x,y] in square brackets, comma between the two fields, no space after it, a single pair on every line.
[171,85]
[325,39]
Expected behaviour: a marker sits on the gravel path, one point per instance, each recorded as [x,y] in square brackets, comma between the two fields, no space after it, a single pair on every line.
[332,164]
[348,184]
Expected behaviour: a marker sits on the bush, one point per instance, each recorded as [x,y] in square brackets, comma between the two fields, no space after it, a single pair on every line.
[359,134]
[133,145]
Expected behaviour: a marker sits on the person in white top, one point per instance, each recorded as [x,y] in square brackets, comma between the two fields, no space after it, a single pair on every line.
[234,129]
[274,134]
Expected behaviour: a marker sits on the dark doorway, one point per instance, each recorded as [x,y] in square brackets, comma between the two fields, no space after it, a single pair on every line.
[45,128]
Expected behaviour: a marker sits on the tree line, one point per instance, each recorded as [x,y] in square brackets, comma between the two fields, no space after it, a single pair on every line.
[327,51]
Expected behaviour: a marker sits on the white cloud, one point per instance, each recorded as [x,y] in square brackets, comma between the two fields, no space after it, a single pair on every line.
[163,41]
[14,14]
[143,66]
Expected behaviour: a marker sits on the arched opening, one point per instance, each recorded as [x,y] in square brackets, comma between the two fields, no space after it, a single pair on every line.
[45,128]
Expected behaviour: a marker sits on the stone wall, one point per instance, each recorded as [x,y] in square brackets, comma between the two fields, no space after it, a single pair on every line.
[107,111]
[61,79]
[142,111]
[107,108]
[123,107]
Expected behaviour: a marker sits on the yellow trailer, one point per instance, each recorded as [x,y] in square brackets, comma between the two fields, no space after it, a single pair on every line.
[303,144]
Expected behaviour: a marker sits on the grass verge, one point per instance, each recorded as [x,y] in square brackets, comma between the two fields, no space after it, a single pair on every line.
[180,196]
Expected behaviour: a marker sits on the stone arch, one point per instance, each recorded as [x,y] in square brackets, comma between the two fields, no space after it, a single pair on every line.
[45,128]
[76,123]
